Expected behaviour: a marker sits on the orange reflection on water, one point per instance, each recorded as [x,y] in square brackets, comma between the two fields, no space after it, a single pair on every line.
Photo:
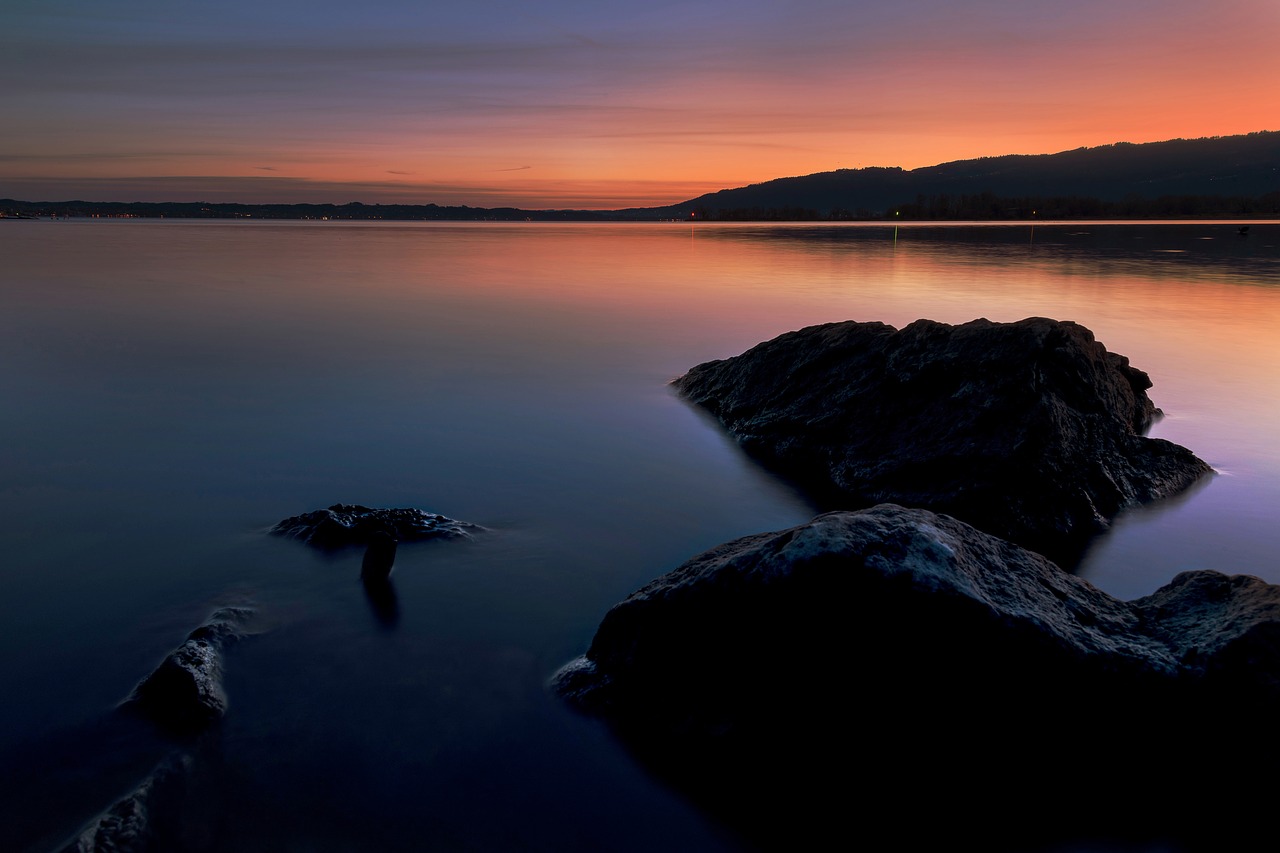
[1199,313]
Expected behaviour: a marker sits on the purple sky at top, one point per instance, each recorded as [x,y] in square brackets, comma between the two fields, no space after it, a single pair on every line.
[568,103]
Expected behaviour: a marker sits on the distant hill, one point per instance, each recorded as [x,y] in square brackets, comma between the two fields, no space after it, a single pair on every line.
[1220,176]
[15,209]
[1226,167]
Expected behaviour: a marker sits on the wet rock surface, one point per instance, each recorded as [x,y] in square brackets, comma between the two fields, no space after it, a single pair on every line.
[174,810]
[343,525]
[873,666]
[156,758]
[184,694]
[1031,430]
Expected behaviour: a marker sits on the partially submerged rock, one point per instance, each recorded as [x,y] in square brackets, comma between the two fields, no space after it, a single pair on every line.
[1031,430]
[173,809]
[128,825]
[165,734]
[379,558]
[938,670]
[342,525]
[184,694]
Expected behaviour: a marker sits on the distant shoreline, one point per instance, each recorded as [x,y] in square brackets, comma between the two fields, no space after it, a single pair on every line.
[12,209]
[1228,177]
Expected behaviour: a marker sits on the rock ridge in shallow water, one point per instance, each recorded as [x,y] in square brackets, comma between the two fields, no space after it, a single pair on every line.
[1031,430]
[176,807]
[184,694]
[173,810]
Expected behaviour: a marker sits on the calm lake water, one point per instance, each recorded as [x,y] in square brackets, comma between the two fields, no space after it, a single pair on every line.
[171,389]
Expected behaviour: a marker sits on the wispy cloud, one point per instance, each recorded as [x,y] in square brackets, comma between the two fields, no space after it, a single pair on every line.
[572,194]
[713,91]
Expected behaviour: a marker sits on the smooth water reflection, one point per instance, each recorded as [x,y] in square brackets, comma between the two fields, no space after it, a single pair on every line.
[173,388]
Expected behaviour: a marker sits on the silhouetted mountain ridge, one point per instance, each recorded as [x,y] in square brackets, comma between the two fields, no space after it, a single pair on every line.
[1246,166]
[1211,177]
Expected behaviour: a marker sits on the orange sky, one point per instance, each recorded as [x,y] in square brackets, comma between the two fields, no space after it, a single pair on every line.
[595,104]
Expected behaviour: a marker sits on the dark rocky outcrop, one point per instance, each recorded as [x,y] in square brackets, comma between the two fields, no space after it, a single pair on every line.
[184,694]
[895,670]
[174,810]
[342,525]
[1031,430]
[165,734]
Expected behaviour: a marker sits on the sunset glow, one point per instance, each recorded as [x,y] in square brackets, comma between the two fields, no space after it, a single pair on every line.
[594,105]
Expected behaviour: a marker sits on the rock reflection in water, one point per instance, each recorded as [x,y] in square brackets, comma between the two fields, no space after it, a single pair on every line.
[383,601]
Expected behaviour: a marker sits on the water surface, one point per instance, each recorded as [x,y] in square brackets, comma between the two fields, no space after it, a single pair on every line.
[173,388]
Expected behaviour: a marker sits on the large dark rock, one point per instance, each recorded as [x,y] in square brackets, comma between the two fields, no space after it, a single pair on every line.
[898,670]
[1032,430]
[184,694]
[342,525]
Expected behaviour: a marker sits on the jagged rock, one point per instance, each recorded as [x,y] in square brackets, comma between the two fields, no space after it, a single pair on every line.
[342,525]
[175,806]
[1224,629]
[184,694]
[1031,430]
[945,671]
[129,825]
[176,809]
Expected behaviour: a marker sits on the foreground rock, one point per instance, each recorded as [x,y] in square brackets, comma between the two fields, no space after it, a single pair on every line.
[184,695]
[174,810]
[899,667]
[1031,431]
[342,525]
[165,734]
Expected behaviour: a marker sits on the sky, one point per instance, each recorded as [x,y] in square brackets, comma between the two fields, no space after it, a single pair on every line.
[594,104]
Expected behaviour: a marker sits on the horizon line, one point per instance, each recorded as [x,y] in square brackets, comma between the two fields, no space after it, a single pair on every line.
[588,201]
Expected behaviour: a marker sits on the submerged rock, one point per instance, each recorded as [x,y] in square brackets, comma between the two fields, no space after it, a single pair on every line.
[342,525]
[938,670]
[174,810]
[177,805]
[379,558]
[184,694]
[1031,430]
[127,825]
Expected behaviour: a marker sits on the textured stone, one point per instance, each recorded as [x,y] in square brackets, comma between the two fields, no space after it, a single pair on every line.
[867,665]
[184,694]
[1031,430]
[342,525]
